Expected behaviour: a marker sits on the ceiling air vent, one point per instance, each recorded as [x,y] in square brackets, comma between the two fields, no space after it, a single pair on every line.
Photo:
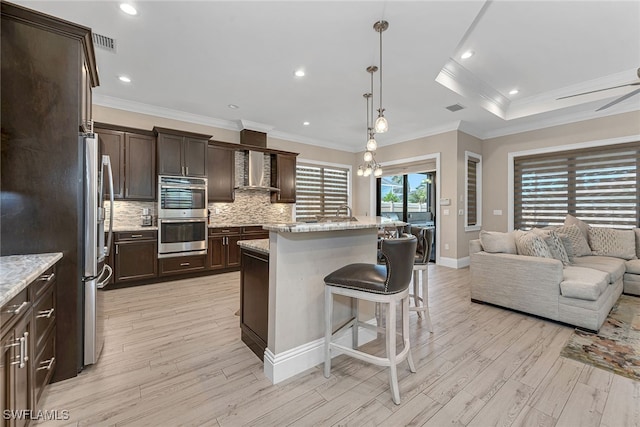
[104,42]
[455,107]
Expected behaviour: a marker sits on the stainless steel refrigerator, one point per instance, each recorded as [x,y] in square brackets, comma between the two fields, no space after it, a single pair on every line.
[95,272]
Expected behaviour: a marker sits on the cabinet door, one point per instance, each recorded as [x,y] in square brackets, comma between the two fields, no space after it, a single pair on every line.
[170,154]
[136,260]
[7,356]
[22,388]
[254,301]
[233,251]
[220,174]
[195,157]
[112,143]
[283,176]
[140,167]
[216,252]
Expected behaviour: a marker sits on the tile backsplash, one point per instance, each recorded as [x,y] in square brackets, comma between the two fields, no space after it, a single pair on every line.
[129,214]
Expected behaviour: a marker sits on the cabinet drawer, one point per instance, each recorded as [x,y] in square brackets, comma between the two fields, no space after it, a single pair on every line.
[253,229]
[184,264]
[224,230]
[135,235]
[16,307]
[42,283]
[45,364]
[44,315]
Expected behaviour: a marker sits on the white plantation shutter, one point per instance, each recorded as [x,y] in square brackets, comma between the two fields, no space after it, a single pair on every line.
[320,190]
[598,185]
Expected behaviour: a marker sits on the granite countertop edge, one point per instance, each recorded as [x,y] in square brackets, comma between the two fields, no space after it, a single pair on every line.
[124,228]
[18,271]
[361,223]
[257,245]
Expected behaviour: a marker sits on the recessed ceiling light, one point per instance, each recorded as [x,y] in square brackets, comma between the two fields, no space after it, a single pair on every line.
[124,79]
[513,91]
[128,9]
[299,73]
[233,106]
[306,123]
[468,54]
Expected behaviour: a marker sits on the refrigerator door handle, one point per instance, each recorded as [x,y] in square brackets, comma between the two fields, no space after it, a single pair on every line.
[106,161]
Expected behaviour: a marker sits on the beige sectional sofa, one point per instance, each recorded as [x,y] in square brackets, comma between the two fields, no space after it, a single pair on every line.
[579,289]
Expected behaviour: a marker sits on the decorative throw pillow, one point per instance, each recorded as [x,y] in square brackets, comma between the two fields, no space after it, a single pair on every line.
[614,243]
[578,241]
[531,244]
[497,242]
[583,226]
[568,247]
[554,243]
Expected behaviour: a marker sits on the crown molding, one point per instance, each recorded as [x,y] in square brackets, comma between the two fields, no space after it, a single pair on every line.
[167,113]
[258,127]
[436,130]
[310,141]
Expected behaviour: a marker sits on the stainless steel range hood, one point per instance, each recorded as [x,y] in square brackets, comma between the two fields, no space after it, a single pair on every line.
[254,173]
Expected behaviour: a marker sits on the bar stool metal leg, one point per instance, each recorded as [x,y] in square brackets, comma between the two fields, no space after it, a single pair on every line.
[328,330]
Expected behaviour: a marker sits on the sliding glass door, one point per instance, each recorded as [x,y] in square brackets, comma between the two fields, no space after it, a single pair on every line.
[409,198]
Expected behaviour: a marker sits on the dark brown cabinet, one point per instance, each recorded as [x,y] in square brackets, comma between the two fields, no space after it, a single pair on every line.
[133,161]
[135,256]
[283,176]
[181,153]
[254,300]
[27,346]
[223,250]
[220,174]
[182,264]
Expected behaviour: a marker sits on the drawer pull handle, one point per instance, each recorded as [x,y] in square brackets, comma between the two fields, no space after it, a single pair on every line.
[225,231]
[25,358]
[185,264]
[48,363]
[19,308]
[133,236]
[47,278]
[45,313]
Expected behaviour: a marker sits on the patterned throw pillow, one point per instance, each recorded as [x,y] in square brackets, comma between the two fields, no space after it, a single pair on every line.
[614,243]
[583,226]
[531,244]
[568,246]
[578,241]
[554,243]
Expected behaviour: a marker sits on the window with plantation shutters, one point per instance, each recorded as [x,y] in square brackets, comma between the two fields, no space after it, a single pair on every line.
[473,191]
[599,185]
[320,190]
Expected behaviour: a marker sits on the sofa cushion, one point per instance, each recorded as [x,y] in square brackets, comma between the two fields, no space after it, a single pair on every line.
[579,244]
[498,242]
[583,283]
[611,242]
[614,267]
[530,244]
[582,226]
[554,243]
[633,266]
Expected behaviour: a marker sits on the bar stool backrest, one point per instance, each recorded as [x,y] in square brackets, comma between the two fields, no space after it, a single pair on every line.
[425,240]
[398,254]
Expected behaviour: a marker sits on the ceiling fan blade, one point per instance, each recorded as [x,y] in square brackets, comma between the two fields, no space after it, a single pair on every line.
[622,98]
[597,90]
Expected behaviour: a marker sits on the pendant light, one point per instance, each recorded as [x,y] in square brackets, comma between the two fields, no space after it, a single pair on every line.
[370,165]
[381,124]
[372,145]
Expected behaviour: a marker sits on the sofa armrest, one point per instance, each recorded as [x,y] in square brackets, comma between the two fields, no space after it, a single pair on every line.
[524,283]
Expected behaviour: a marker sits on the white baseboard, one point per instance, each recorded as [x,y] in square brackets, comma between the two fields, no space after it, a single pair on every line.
[455,262]
[279,367]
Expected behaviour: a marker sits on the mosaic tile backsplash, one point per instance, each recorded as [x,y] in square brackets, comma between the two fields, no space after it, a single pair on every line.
[249,207]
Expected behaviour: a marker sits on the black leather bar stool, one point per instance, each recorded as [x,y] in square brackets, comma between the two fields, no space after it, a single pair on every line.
[386,284]
[421,274]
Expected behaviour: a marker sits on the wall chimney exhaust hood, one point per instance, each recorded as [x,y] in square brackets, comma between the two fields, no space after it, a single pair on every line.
[254,173]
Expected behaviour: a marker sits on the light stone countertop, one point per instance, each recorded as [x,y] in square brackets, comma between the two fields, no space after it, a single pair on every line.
[362,222]
[258,245]
[18,271]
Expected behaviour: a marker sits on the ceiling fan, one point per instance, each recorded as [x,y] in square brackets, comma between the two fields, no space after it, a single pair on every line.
[615,101]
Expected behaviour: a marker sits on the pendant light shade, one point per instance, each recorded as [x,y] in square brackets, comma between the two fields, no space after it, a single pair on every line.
[381,125]
[368,156]
[372,145]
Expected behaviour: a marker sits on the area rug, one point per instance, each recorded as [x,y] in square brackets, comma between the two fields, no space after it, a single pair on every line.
[616,346]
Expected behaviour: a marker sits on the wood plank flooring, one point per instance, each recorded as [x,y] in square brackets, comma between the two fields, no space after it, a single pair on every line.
[173,356]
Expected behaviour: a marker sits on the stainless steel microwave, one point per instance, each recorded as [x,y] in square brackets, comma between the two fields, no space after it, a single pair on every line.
[182,197]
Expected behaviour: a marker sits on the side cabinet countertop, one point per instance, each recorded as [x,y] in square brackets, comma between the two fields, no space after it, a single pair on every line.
[257,245]
[17,271]
[363,222]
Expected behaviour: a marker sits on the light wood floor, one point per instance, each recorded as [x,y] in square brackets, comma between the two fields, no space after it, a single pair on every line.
[173,356]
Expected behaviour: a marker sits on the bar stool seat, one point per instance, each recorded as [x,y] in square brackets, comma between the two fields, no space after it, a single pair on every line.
[385,284]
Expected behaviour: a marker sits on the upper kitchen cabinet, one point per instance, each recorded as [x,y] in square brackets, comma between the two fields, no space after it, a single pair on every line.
[220,173]
[181,153]
[283,176]
[133,160]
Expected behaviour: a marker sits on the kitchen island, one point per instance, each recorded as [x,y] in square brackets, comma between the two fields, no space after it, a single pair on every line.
[300,256]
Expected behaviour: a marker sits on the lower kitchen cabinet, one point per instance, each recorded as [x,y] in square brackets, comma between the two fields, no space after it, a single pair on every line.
[27,348]
[182,264]
[223,250]
[254,300]
[135,256]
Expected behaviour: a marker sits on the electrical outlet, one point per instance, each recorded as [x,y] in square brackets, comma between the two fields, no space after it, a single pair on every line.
[460,212]
[497,212]
[445,212]
[446,246]
[217,211]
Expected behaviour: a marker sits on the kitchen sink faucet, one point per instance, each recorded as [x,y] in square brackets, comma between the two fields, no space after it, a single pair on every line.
[349,211]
